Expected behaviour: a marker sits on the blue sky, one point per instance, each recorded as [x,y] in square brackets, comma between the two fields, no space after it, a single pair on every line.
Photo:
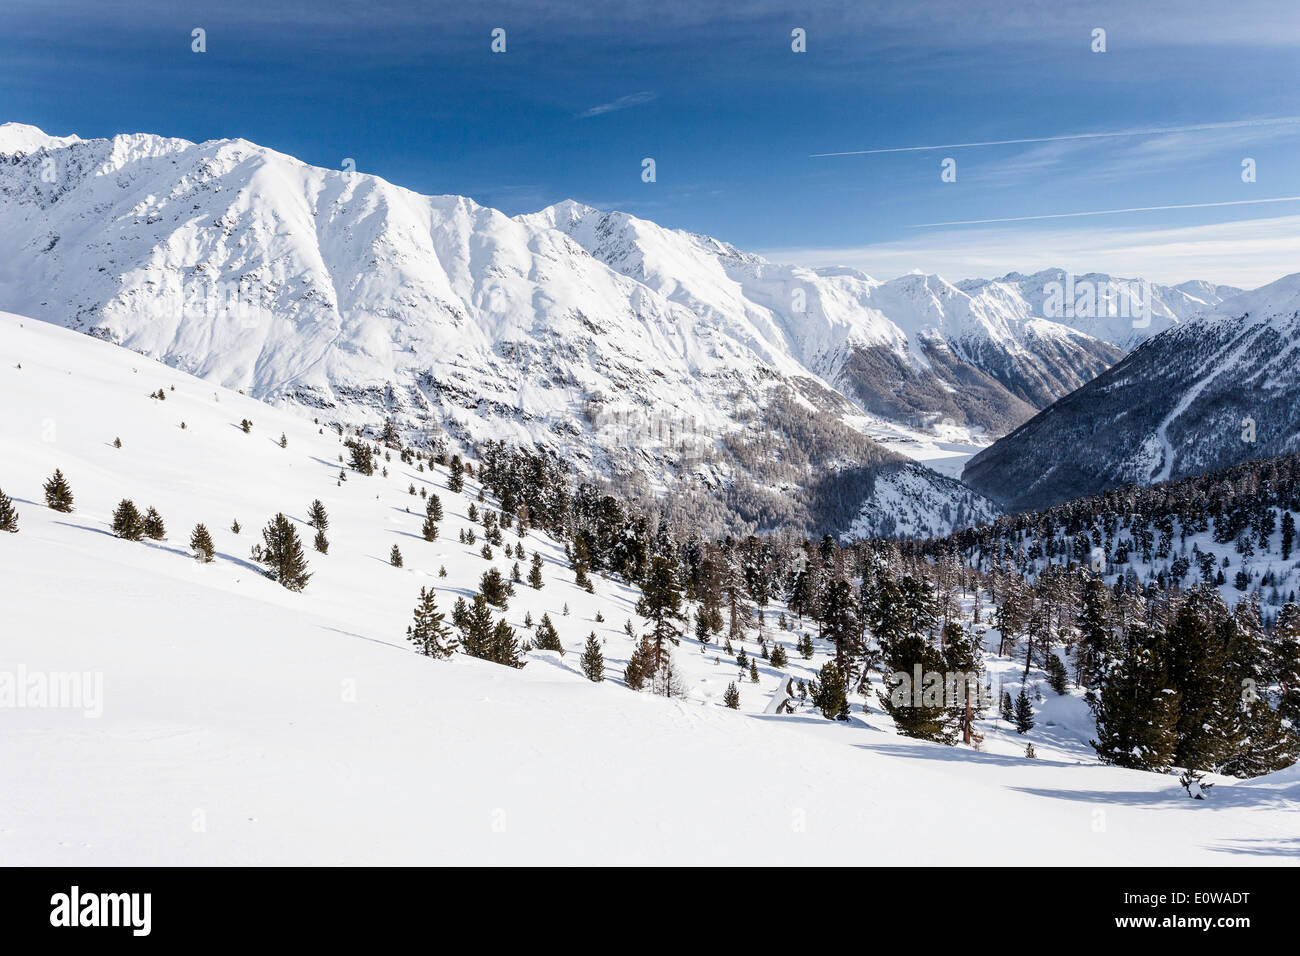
[734,118]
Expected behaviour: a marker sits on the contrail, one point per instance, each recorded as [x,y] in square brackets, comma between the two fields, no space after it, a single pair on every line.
[1107,212]
[1235,124]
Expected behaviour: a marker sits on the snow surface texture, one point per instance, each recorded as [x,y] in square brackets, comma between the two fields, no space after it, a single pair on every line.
[242,723]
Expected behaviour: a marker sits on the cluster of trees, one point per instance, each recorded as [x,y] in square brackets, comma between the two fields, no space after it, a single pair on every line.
[1249,508]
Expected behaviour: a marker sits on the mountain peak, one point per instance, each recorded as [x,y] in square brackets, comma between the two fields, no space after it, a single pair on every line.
[22,138]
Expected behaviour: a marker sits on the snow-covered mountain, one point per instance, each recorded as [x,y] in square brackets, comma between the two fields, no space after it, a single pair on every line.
[916,349]
[1124,312]
[1217,389]
[360,300]
[635,352]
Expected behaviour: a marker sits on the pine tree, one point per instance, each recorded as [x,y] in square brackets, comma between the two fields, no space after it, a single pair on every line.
[661,604]
[1024,712]
[732,697]
[395,557]
[1137,712]
[433,508]
[321,543]
[1288,534]
[201,544]
[753,671]
[1057,678]
[547,638]
[284,442]
[779,658]
[127,522]
[495,589]
[286,564]
[839,621]
[581,564]
[58,494]
[1006,709]
[505,647]
[234,527]
[640,665]
[316,516]
[153,525]
[831,693]
[429,634]
[8,514]
[592,660]
[1195,650]
[535,572]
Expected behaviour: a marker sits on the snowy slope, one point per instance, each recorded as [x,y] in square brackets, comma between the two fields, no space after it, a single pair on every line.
[1220,388]
[242,723]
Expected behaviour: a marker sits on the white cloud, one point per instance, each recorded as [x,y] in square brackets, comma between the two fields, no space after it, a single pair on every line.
[622,103]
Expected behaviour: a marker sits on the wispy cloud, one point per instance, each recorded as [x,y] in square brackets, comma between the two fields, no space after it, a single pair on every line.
[622,103]
[1107,212]
[1153,131]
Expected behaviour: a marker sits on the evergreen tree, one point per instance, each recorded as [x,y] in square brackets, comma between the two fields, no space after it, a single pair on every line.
[1094,630]
[779,658]
[505,646]
[316,516]
[1195,651]
[753,671]
[580,562]
[1057,678]
[429,634]
[8,514]
[640,665]
[286,564]
[839,622]
[234,527]
[1284,663]
[1006,709]
[395,557]
[547,638]
[362,456]
[535,572]
[495,589]
[1288,534]
[433,508]
[127,522]
[1137,712]
[830,695]
[201,544]
[1024,712]
[58,494]
[593,661]
[321,543]
[153,525]
[661,604]
[732,697]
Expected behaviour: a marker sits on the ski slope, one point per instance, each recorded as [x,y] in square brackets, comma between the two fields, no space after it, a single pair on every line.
[241,723]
